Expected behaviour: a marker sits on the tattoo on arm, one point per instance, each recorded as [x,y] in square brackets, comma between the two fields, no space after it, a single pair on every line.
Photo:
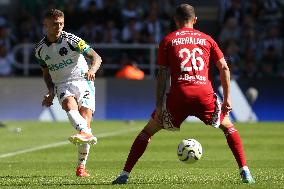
[162,77]
[90,54]
[95,58]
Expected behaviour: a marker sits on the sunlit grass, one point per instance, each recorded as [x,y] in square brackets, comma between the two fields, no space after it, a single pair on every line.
[158,168]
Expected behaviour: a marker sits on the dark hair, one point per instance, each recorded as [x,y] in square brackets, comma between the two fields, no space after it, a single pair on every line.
[53,13]
[185,12]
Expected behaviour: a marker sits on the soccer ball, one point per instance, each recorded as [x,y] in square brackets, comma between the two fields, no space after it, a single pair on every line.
[189,150]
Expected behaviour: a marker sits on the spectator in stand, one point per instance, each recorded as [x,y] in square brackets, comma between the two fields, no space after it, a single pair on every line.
[85,3]
[248,63]
[230,31]
[93,13]
[131,32]
[233,59]
[269,62]
[234,11]
[153,27]
[224,5]
[6,36]
[111,34]
[6,62]
[130,71]
[271,11]
[28,30]
[91,31]
[252,8]
[249,41]
[273,39]
[73,16]
[112,12]
[28,7]
[130,11]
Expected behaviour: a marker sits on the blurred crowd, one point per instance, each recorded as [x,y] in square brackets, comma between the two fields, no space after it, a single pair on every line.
[250,33]
[96,21]
[251,36]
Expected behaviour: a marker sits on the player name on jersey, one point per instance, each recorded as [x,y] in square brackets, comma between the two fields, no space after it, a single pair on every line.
[188,40]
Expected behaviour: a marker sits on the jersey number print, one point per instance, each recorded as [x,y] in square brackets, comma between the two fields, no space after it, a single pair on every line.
[187,56]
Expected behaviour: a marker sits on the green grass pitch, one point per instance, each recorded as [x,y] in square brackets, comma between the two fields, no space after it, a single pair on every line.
[39,156]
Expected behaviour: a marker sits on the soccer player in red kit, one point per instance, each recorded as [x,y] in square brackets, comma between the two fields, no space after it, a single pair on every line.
[184,56]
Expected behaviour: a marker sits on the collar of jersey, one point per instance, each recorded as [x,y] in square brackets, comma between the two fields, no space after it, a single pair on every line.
[58,41]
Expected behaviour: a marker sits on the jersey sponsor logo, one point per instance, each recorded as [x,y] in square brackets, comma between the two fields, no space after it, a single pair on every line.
[82,45]
[188,77]
[60,65]
[187,33]
[63,51]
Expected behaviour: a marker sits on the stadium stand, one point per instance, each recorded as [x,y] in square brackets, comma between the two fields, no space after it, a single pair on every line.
[249,32]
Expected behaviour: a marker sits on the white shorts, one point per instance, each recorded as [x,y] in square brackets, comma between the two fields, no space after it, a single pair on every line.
[82,90]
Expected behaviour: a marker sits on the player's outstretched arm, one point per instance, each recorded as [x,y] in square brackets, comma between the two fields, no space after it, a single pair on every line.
[96,61]
[48,98]
[225,81]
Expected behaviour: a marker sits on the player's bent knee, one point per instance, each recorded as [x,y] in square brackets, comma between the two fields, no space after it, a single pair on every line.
[226,123]
[69,103]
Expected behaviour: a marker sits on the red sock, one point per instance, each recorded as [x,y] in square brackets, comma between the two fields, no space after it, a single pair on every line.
[137,149]
[235,144]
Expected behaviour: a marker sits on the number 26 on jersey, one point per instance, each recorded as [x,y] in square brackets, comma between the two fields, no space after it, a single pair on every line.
[194,56]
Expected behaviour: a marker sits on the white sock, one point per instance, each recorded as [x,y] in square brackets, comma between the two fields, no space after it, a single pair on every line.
[78,122]
[83,152]
[124,173]
[244,168]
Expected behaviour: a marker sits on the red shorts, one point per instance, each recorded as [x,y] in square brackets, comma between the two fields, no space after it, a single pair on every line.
[177,110]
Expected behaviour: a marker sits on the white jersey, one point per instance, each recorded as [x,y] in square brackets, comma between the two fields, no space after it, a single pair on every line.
[63,58]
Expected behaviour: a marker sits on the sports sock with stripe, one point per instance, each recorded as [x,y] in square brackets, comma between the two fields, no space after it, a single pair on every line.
[235,144]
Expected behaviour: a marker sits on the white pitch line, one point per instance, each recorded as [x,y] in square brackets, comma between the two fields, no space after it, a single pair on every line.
[102,135]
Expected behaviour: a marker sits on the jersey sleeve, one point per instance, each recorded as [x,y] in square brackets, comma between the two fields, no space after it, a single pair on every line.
[162,53]
[216,53]
[78,44]
[39,60]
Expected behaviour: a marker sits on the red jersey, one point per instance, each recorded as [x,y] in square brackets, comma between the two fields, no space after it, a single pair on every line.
[187,52]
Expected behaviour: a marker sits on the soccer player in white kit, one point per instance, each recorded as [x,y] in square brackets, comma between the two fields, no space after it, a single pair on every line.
[67,75]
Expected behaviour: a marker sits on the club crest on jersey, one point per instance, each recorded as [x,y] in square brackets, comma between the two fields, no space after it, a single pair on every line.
[61,95]
[63,51]
[46,58]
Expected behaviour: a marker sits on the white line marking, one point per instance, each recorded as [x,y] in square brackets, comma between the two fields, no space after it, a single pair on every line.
[102,135]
